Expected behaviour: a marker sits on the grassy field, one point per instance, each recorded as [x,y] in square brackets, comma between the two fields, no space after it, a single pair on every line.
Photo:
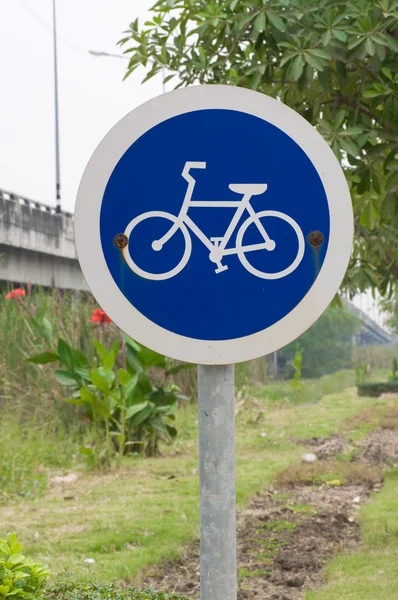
[131,519]
[134,518]
[371,572]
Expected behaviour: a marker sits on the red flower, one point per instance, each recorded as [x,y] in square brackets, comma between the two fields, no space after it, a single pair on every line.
[17,293]
[100,316]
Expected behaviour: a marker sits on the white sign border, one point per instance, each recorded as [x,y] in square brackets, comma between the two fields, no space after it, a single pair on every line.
[87,221]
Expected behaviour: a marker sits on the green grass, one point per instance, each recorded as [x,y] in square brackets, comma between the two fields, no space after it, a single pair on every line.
[314,389]
[134,518]
[371,572]
[27,453]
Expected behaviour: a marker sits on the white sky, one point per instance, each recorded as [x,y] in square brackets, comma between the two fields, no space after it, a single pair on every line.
[92,96]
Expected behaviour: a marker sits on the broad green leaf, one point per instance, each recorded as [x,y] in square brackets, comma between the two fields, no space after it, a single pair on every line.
[314,62]
[150,358]
[79,359]
[287,58]
[100,349]
[319,53]
[370,47]
[349,146]
[370,216]
[44,358]
[124,376]
[145,383]
[245,20]
[143,415]
[276,21]
[340,35]
[65,354]
[65,378]
[371,93]
[387,72]
[82,373]
[4,548]
[133,363]
[16,547]
[109,361]
[99,381]
[392,181]
[87,396]
[259,22]
[115,347]
[255,80]
[134,409]
[356,130]
[131,385]
[15,559]
[297,67]
[19,575]
[339,119]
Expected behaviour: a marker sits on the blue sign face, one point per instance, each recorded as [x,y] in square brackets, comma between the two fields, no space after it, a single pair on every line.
[215,208]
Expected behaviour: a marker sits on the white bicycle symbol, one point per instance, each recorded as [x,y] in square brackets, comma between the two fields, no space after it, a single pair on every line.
[216,245]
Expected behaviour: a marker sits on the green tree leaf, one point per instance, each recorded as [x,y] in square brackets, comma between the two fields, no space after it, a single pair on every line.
[276,20]
[259,22]
[44,358]
[297,67]
[319,61]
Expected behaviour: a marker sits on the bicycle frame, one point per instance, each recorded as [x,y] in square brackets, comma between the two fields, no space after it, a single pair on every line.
[217,250]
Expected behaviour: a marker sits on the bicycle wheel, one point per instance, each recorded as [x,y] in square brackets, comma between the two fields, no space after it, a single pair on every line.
[240,248]
[156,246]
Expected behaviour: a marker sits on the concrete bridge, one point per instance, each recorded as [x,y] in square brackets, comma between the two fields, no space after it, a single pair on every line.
[370,333]
[37,244]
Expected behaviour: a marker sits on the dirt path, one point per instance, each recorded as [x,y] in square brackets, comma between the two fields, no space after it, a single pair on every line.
[289,532]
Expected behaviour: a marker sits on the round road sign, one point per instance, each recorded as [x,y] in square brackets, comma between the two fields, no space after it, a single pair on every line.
[213,224]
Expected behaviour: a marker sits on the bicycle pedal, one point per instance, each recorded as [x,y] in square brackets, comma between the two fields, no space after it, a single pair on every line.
[221,269]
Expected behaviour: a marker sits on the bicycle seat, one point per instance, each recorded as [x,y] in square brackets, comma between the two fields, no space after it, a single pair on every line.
[252,189]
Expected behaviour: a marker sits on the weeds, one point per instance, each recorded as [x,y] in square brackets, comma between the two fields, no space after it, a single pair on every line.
[278,526]
[329,473]
[69,591]
[243,573]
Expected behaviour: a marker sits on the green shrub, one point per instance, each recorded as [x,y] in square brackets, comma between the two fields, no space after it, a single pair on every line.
[374,389]
[126,410]
[20,577]
[327,345]
[104,592]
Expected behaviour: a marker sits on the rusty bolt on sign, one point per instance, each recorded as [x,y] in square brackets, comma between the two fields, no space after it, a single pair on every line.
[315,238]
[121,240]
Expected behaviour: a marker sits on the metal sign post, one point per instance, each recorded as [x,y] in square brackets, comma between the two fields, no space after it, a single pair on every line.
[214,225]
[217,483]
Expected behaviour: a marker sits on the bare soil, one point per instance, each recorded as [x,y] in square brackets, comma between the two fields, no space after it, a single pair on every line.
[287,535]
